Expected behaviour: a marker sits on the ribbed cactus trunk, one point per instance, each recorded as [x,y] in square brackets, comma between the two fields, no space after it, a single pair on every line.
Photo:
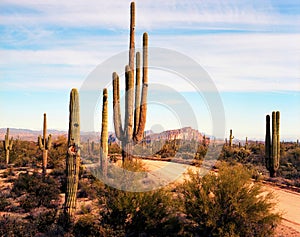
[135,98]
[45,144]
[7,144]
[104,134]
[272,147]
[73,154]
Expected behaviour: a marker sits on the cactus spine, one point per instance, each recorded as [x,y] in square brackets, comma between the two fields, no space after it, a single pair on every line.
[7,144]
[104,134]
[73,154]
[135,105]
[272,147]
[230,138]
[45,144]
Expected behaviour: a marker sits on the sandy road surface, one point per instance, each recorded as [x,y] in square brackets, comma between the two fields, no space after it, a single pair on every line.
[289,204]
[288,201]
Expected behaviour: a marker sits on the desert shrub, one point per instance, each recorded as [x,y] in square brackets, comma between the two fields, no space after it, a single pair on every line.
[114,148]
[23,153]
[88,226]
[3,202]
[139,214]
[57,154]
[201,152]
[85,190]
[10,226]
[43,219]
[228,204]
[38,190]
[233,155]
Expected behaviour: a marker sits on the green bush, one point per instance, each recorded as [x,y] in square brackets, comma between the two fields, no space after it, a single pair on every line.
[139,214]
[228,204]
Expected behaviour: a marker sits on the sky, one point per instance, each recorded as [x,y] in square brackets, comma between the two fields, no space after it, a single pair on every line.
[249,50]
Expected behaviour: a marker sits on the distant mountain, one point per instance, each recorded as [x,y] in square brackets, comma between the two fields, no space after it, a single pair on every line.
[27,134]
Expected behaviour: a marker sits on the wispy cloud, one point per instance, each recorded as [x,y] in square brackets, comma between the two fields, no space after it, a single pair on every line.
[235,62]
[175,14]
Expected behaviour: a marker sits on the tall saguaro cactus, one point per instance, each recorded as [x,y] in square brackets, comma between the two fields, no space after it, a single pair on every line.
[104,134]
[272,147]
[7,144]
[73,154]
[135,99]
[45,144]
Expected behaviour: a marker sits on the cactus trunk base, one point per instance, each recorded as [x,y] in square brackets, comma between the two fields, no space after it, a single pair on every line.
[72,184]
[273,173]
[45,157]
[7,156]
[127,151]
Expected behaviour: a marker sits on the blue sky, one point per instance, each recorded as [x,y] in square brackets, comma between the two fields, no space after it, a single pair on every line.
[250,50]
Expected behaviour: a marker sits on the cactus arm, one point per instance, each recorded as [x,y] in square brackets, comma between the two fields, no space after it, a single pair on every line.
[49,142]
[129,97]
[132,33]
[104,133]
[11,142]
[137,93]
[143,106]
[40,143]
[116,107]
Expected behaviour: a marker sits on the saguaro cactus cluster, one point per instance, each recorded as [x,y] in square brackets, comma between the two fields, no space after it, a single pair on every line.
[45,144]
[73,154]
[135,99]
[104,134]
[7,144]
[272,147]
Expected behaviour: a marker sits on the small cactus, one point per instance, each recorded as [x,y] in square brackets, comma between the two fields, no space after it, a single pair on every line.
[104,134]
[73,154]
[7,144]
[246,143]
[45,144]
[230,138]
